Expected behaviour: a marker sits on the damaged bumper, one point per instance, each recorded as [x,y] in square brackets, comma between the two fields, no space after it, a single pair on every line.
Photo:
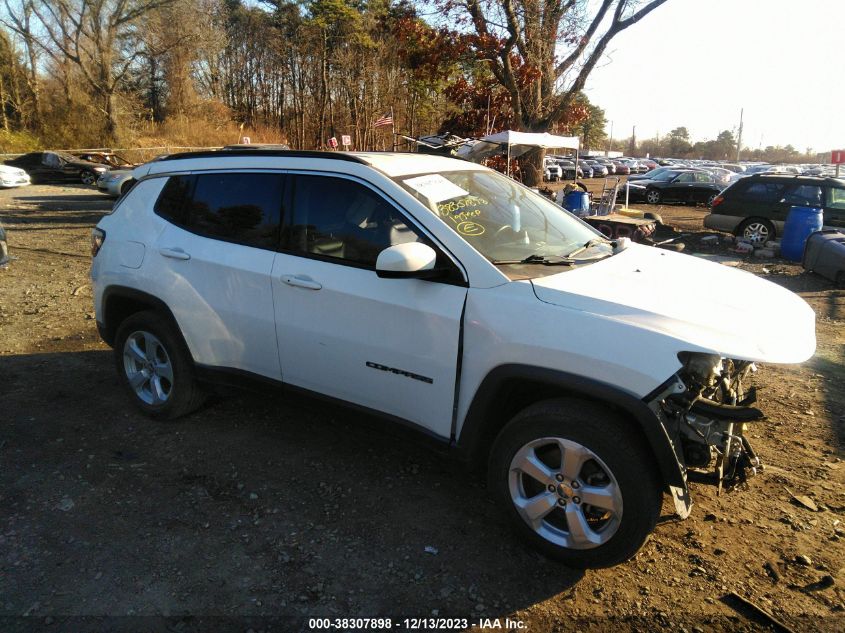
[706,410]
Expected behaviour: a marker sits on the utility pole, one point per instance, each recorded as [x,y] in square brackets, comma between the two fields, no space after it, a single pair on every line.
[739,136]
[633,148]
[610,142]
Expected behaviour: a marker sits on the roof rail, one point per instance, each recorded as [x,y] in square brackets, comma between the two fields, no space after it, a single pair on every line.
[351,158]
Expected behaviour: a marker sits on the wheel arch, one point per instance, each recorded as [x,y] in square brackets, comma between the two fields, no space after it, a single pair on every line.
[121,302]
[508,389]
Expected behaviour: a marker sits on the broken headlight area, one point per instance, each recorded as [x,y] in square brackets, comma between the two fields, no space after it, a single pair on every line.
[709,408]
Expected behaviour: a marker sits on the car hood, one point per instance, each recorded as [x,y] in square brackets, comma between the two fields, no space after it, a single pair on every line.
[705,306]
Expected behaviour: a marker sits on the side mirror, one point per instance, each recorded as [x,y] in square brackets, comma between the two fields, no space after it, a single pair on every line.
[407,261]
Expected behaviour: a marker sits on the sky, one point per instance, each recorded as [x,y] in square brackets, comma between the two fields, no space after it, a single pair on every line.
[696,63]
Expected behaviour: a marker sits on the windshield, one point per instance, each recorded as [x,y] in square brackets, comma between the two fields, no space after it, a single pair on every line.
[503,220]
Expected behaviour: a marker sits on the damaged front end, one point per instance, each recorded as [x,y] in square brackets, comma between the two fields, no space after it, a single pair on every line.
[707,410]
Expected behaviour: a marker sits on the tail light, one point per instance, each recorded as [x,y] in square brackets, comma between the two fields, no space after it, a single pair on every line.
[98,236]
[717,201]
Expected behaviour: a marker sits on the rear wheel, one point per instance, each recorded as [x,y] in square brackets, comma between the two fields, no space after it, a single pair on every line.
[155,367]
[576,482]
[88,177]
[756,230]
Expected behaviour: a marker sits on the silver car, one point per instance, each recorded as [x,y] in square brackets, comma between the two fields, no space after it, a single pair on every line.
[116,182]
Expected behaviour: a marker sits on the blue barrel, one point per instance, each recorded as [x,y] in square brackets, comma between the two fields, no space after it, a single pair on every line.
[578,202]
[800,224]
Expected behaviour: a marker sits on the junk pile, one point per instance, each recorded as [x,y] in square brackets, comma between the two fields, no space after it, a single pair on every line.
[601,214]
[824,255]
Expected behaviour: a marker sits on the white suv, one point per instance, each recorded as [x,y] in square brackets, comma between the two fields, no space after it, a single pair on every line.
[586,375]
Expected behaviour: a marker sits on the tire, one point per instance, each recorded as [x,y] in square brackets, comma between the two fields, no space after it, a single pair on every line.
[653,196]
[155,367]
[709,201]
[88,177]
[616,463]
[756,230]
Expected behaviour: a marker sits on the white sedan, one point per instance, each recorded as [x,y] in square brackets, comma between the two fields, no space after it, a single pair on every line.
[13,177]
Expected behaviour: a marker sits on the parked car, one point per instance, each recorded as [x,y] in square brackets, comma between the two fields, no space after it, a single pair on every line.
[654,173]
[450,299]
[114,161]
[13,177]
[586,168]
[722,176]
[686,186]
[551,170]
[611,167]
[636,166]
[569,170]
[621,168]
[116,183]
[756,207]
[599,170]
[58,167]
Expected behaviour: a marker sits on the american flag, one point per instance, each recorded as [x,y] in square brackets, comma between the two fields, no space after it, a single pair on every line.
[384,119]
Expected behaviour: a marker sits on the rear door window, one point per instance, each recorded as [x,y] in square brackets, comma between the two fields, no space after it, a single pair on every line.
[237,207]
[760,192]
[244,208]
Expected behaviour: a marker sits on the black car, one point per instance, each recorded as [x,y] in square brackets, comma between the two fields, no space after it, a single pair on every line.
[570,172]
[58,167]
[687,186]
[756,207]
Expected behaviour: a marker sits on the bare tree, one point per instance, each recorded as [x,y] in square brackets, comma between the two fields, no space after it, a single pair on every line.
[542,51]
[96,36]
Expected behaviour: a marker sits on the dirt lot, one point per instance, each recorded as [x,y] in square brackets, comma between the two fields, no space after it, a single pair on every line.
[261,511]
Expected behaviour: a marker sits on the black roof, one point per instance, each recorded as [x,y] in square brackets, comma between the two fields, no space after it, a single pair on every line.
[282,153]
[820,180]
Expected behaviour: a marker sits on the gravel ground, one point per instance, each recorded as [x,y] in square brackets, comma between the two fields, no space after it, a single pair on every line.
[264,510]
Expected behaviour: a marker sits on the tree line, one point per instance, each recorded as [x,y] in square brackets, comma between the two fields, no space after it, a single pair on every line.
[95,72]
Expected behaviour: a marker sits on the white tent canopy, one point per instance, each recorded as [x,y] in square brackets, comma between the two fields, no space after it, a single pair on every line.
[515,144]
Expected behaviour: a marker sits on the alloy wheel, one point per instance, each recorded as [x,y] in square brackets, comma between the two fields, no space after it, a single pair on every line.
[756,233]
[565,493]
[148,368]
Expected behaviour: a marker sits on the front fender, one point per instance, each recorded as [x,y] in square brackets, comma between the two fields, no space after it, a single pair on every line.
[490,410]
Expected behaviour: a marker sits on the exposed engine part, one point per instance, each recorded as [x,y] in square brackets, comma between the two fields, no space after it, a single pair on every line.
[710,408]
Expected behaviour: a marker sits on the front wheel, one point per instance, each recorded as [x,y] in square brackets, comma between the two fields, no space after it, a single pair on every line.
[653,196]
[576,482]
[88,177]
[155,366]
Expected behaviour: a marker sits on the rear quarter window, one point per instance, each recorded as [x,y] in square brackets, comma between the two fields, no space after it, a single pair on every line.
[171,201]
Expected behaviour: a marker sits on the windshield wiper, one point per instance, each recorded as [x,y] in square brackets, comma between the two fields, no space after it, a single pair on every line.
[593,242]
[545,260]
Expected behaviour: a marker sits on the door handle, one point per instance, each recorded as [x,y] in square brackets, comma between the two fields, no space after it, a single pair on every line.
[301,281]
[174,253]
